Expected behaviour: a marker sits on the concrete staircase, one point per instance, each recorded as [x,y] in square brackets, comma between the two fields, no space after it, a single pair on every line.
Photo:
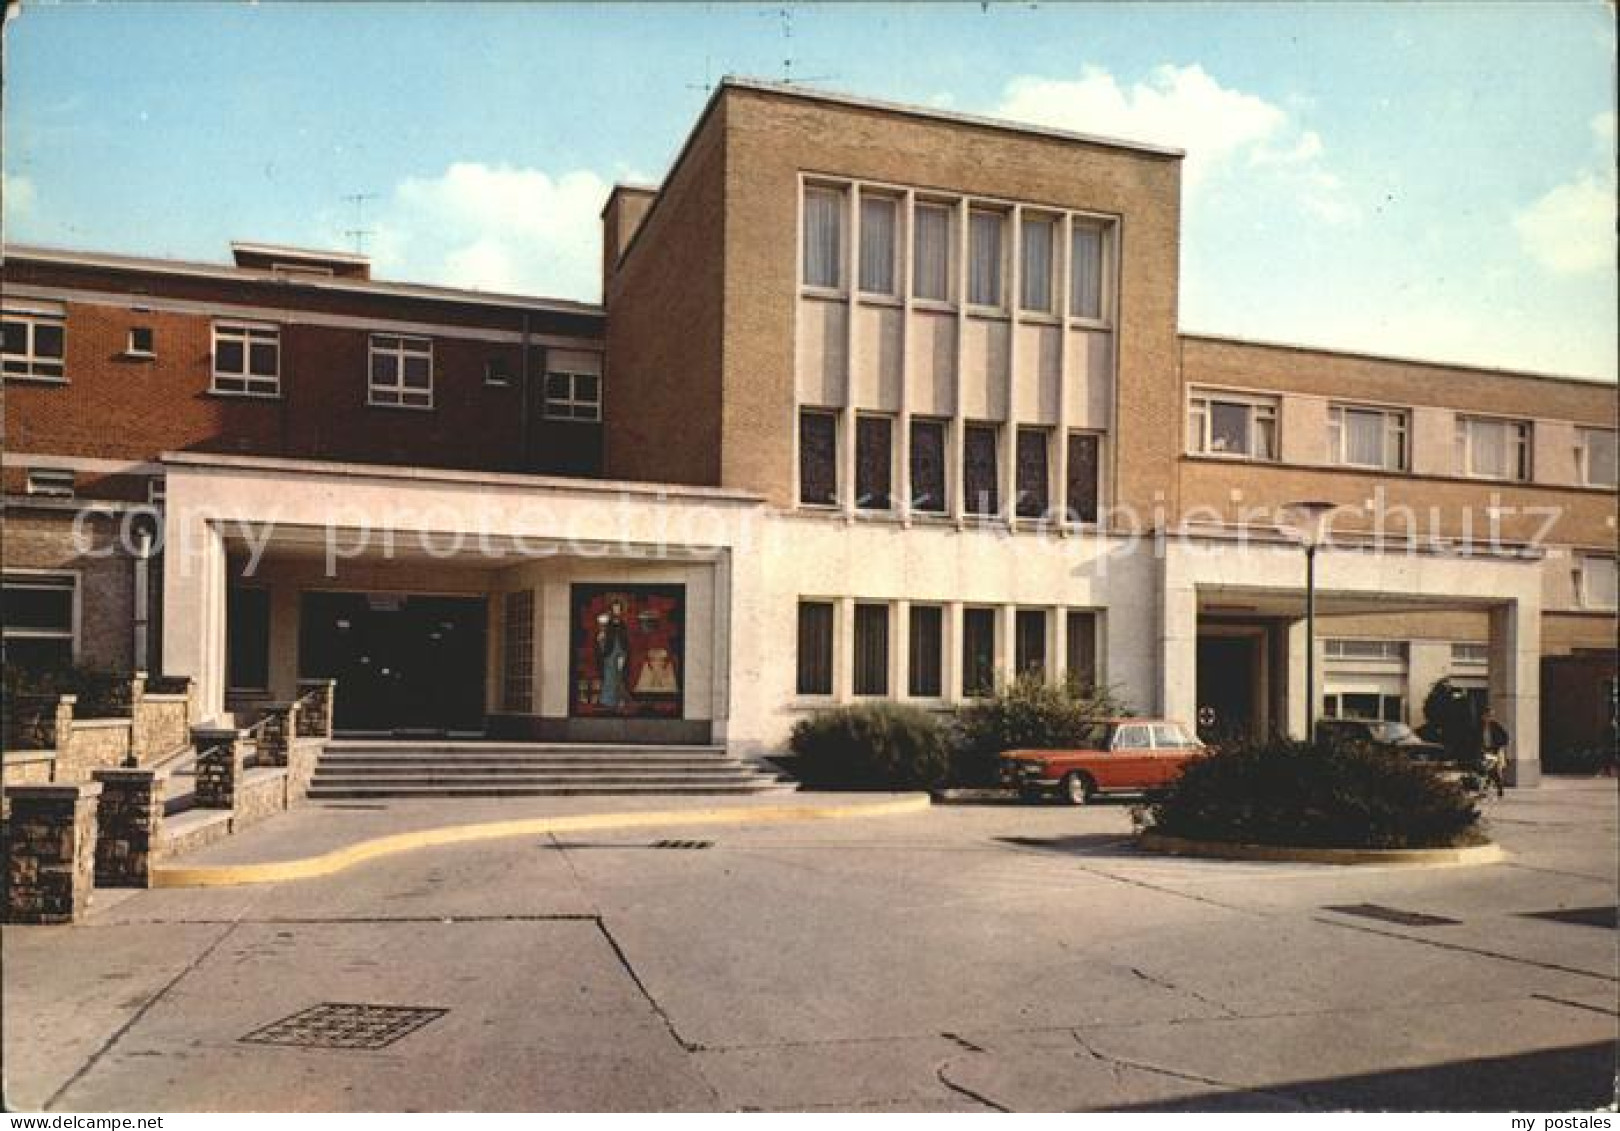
[356,768]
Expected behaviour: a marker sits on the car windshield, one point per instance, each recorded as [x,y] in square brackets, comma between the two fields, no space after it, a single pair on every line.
[1392,732]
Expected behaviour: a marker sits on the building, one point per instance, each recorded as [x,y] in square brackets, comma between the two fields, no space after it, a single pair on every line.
[880,402]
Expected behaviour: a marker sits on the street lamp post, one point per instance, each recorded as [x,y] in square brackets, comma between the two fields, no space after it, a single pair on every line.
[1308,521]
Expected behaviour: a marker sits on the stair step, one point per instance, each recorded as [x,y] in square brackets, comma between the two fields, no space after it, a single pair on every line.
[562,763]
[583,789]
[351,746]
[342,780]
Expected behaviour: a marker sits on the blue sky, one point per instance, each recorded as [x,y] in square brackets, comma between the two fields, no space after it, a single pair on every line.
[1413,179]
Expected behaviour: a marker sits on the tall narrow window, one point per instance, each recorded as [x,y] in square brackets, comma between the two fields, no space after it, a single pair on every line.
[874,463]
[978,652]
[928,466]
[877,244]
[980,486]
[517,647]
[926,648]
[1086,271]
[1036,267]
[985,257]
[1029,652]
[1597,457]
[823,238]
[815,675]
[1080,642]
[1034,480]
[931,252]
[247,638]
[1085,450]
[818,458]
[871,650]
[401,371]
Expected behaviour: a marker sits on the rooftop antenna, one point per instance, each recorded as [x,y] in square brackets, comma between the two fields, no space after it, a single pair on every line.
[707,84]
[785,15]
[359,232]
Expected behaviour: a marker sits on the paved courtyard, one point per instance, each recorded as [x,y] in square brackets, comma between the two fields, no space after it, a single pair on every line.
[972,957]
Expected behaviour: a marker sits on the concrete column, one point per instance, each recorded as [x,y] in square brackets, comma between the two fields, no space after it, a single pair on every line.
[129,826]
[952,646]
[1006,643]
[1294,678]
[194,607]
[50,851]
[900,651]
[1515,674]
[1057,663]
[843,650]
[1178,642]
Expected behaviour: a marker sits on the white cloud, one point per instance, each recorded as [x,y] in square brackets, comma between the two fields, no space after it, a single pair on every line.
[1603,131]
[497,228]
[18,195]
[1570,230]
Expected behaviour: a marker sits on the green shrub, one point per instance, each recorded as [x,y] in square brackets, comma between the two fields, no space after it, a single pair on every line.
[1027,713]
[1289,793]
[872,746]
[1579,760]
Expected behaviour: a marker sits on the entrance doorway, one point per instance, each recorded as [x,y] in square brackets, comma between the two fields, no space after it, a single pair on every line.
[402,662]
[1230,685]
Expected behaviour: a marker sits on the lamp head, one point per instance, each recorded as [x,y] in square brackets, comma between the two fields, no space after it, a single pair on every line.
[1308,521]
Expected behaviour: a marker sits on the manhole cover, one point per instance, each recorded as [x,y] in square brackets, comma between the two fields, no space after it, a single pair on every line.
[1393,915]
[683,844]
[345,1025]
[1585,916]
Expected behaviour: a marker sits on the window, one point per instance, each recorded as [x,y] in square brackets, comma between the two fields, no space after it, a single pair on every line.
[928,489]
[1470,655]
[497,372]
[818,458]
[1597,582]
[517,649]
[1029,645]
[1085,455]
[1135,737]
[1035,272]
[247,360]
[926,647]
[33,345]
[1034,489]
[1232,426]
[871,650]
[1597,457]
[56,482]
[1364,649]
[823,238]
[978,652]
[41,620]
[979,470]
[142,342]
[1080,643]
[815,648]
[874,463]
[878,226]
[931,253]
[573,396]
[401,371]
[1086,272]
[247,638]
[1168,736]
[1365,705]
[1367,437]
[984,257]
[1493,449]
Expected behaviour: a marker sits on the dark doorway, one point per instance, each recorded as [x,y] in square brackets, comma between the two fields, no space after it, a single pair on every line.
[1228,674]
[402,662]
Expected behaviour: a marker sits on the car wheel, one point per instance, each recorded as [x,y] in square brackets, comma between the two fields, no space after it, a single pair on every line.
[1076,789]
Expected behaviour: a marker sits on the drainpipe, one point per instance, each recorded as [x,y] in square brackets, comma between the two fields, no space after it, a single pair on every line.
[523,386]
[143,592]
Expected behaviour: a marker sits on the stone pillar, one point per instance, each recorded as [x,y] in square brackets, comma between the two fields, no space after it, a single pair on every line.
[1515,673]
[221,759]
[129,826]
[1178,642]
[62,728]
[277,732]
[317,707]
[50,852]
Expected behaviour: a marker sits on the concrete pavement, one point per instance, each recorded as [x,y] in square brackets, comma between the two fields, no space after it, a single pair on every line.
[965,958]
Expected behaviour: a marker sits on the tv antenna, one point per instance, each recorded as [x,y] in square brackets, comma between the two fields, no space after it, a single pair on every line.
[359,232]
[707,84]
[785,15]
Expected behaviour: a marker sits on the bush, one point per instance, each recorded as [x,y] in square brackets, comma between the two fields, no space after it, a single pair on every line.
[1025,714]
[873,746]
[1450,720]
[1579,760]
[1289,793]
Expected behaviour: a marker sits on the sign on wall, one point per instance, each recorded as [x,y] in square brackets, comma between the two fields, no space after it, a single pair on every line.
[627,657]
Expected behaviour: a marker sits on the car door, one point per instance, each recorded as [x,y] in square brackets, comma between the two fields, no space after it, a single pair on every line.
[1171,750]
[1131,763]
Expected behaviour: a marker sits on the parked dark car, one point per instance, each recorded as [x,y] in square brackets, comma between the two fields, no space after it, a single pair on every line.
[1386,736]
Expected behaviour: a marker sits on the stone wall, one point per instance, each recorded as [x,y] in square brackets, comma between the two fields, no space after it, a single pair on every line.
[129,826]
[221,761]
[162,726]
[50,852]
[90,745]
[262,794]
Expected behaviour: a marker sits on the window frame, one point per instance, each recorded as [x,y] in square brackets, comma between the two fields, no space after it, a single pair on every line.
[1105,229]
[19,578]
[864,422]
[268,333]
[566,409]
[943,509]
[946,301]
[1200,403]
[991,615]
[835,416]
[799,665]
[913,668]
[896,207]
[1042,435]
[1583,456]
[398,388]
[1070,514]
[1001,217]
[36,365]
[884,683]
[997,504]
[1463,448]
[1022,618]
[841,268]
[1053,224]
[1583,576]
[1396,428]
[50,482]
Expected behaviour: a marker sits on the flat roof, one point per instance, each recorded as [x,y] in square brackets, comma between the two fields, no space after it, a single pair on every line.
[195,269]
[310,253]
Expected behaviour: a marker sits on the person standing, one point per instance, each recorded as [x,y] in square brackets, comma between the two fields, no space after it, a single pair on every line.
[1493,742]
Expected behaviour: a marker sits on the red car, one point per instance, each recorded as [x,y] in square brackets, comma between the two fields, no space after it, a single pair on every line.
[1120,756]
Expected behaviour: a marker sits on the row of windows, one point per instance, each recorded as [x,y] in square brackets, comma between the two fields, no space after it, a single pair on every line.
[247,362]
[934,232]
[929,463]
[923,673]
[1246,427]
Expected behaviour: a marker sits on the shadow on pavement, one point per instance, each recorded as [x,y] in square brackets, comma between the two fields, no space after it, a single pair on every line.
[1089,844]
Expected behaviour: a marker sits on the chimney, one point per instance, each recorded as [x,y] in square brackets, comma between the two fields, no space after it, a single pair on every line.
[627,206]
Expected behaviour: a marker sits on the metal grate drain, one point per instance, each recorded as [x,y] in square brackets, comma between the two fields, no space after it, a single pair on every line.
[1584,916]
[682,844]
[346,1025]
[1393,915]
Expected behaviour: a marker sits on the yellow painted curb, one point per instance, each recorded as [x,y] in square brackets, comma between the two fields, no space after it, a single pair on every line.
[226,875]
[1220,850]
